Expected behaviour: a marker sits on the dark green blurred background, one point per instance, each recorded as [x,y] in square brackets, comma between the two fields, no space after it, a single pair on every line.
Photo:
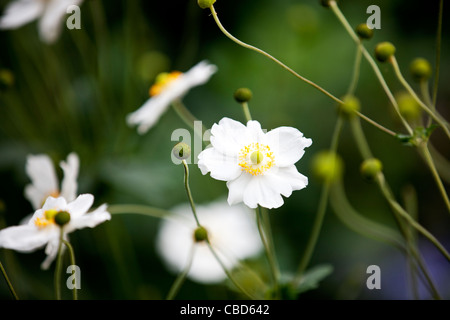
[74,95]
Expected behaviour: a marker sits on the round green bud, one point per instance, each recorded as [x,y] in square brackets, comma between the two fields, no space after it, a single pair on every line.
[349,107]
[181,151]
[327,166]
[6,78]
[62,218]
[363,31]
[205,4]
[370,168]
[242,95]
[408,106]
[384,50]
[326,3]
[200,234]
[420,69]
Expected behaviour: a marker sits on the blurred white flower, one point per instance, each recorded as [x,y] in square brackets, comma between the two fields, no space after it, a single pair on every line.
[232,232]
[44,181]
[43,230]
[167,88]
[50,13]
[258,167]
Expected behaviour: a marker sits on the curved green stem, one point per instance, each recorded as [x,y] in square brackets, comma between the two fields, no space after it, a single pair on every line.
[321,210]
[72,262]
[245,45]
[246,109]
[269,252]
[334,7]
[356,70]
[188,191]
[181,277]
[430,163]
[438,53]
[375,124]
[138,209]
[59,266]
[438,118]
[10,286]
[186,115]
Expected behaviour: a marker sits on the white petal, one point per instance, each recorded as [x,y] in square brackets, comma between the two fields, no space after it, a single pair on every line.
[261,191]
[89,220]
[20,12]
[43,179]
[147,115]
[290,175]
[69,183]
[25,238]
[80,205]
[51,250]
[237,187]
[254,132]
[198,74]
[54,203]
[221,166]
[228,136]
[287,144]
[51,22]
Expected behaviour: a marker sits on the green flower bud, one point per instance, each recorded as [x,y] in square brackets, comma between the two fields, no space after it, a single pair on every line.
[242,95]
[326,3]
[384,50]
[370,168]
[200,234]
[62,218]
[205,4]
[327,166]
[6,78]
[349,107]
[408,106]
[181,151]
[420,69]
[363,31]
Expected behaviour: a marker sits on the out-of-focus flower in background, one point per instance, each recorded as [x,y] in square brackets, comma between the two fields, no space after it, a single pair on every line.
[45,226]
[231,230]
[44,181]
[258,167]
[169,87]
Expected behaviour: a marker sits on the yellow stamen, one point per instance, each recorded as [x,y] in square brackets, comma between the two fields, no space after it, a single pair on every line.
[162,81]
[256,159]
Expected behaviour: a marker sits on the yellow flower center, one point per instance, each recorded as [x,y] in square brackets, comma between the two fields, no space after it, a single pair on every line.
[47,218]
[162,81]
[256,159]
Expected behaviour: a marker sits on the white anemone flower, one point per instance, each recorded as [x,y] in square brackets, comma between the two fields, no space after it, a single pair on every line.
[42,229]
[169,87]
[258,167]
[50,13]
[44,181]
[231,230]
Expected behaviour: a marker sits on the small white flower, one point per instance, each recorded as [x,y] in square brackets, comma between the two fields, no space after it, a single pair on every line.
[43,230]
[50,13]
[167,88]
[231,230]
[44,181]
[258,167]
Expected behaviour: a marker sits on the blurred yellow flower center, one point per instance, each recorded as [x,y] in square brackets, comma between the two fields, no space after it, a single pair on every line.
[162,81]
[256,159]
[47,218]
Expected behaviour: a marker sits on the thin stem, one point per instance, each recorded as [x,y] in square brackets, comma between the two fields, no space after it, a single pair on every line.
[334,7]
[228,273]
[430,163]
[438,118]
[321,210]
[356,70]
[438,54]
[181,277]
[245,45]
[138,209]
[188,191]
[72,262]
[59,266]
[269,254]
[375,124]
[247,114]
[186,115]
[360,139]
[10,286]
